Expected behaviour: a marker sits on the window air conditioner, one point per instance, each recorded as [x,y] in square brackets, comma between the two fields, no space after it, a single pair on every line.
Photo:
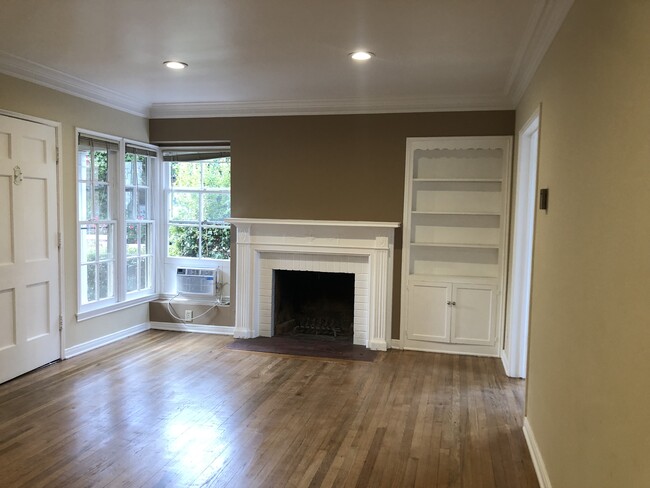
[196,281]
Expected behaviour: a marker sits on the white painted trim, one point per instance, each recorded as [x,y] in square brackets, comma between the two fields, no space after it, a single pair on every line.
[536,455]
[517,315]
[198,328]
[328,107]
[543,26]
[115,307]
[57,80]
[323,223]
[105,340]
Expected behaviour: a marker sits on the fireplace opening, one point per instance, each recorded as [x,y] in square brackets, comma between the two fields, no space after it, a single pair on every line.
[313,304]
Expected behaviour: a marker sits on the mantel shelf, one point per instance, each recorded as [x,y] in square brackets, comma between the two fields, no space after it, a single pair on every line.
[322,223]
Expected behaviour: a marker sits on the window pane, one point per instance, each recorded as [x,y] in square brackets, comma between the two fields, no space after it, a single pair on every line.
[129,170]
[185,206]
[183,241]
[186,175]
[88,283]
[101,202]
[143,210]
[143,179]
[132,239]
[85,165]
[131,274]
[85,201]
[87,243]
[128,204]
[216,174]
[145,273]
[215,242]
[145,244]
[105,241]
[101,166]
[104,280]
[216,207]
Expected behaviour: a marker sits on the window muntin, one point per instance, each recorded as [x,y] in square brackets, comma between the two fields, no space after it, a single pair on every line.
[198,204]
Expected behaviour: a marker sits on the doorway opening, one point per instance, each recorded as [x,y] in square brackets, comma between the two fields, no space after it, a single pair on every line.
[515,354]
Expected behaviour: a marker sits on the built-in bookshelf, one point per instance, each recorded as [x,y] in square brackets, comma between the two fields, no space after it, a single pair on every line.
[455,223]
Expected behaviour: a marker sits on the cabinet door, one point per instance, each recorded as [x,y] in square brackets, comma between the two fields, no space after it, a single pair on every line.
[473,314]
[428,312]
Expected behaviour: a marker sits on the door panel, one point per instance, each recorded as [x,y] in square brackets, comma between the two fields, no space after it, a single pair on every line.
[473,314]
[428,312]
[29,258]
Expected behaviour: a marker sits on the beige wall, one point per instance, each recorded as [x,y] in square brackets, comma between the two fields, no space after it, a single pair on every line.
[332,167]
[589,367]
[30,99]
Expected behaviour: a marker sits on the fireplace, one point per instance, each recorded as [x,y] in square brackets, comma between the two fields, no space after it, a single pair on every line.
[313,304]
[361,249]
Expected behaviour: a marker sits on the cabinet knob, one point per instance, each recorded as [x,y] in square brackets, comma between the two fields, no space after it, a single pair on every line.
[453,303]
[448,302]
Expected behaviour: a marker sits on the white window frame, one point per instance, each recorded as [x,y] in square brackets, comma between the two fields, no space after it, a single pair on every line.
[120,299]
[180,261]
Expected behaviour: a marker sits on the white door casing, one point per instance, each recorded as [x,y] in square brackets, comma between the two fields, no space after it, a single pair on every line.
[518,313]
[29,257]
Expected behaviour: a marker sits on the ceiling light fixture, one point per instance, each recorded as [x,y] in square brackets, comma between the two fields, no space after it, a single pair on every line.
[361,55]
[175,64]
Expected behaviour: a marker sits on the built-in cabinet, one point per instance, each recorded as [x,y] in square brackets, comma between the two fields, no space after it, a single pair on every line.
[454,253]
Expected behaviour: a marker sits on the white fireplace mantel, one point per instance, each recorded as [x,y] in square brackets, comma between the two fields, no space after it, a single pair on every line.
[363,248]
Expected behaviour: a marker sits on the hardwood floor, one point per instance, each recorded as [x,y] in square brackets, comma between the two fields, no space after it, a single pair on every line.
[174,409]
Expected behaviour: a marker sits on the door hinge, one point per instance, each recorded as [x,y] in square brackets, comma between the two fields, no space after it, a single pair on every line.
[58,155]
[60,322]
[59,240]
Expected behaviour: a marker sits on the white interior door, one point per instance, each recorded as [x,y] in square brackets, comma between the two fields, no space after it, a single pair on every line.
[29,258]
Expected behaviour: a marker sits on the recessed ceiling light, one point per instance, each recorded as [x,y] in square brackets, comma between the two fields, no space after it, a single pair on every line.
[361,55]
[175,64]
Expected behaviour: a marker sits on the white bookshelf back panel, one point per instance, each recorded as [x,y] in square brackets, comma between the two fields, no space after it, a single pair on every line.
[461,163]
[443,269]
[456,201]
[455,235]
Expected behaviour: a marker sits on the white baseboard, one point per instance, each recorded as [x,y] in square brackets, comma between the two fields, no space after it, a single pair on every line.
[505,362]
[102,341]
[395,344]
[536,455]
[201,329]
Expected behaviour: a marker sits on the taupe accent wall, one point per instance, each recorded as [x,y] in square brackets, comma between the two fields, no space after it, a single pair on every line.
[330,167]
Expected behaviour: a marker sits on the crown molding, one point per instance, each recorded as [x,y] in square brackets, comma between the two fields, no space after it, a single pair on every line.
[327,107]
[543,26]
[57,80]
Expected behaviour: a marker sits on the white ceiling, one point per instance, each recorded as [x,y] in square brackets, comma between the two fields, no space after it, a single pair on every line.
[280,56]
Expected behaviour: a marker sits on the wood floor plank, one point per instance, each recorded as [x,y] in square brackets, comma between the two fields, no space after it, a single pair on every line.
[176,409]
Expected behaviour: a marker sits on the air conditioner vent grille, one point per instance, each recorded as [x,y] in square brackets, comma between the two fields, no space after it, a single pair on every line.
[196,281]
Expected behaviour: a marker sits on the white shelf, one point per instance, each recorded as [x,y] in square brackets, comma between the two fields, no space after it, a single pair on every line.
[465,245]
[488,214]
[457,180]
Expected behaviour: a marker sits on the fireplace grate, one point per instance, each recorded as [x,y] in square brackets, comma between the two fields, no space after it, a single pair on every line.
[319,326]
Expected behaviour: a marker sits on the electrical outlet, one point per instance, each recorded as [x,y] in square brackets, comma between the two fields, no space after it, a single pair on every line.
[189,315]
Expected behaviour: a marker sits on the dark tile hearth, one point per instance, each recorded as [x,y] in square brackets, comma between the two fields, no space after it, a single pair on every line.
[305,346]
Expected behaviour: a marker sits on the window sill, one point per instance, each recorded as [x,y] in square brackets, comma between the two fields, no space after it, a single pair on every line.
[114,307]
